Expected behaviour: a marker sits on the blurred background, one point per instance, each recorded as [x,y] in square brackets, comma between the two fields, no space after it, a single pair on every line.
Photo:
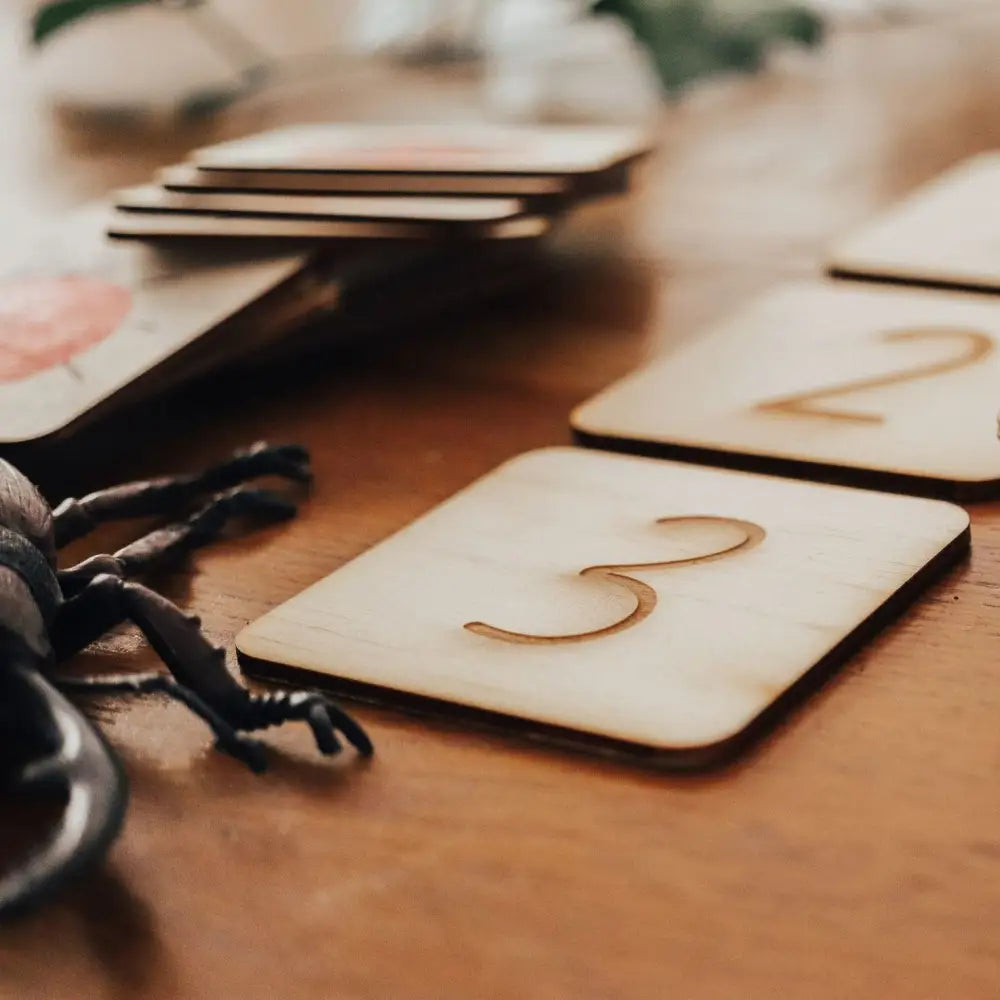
[99,72]
[98,94]
[536,57]
[780,126]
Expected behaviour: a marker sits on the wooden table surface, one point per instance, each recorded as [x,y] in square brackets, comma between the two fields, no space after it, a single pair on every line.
[855,853]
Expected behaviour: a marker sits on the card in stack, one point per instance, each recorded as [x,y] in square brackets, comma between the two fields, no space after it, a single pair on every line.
[473,212]
[171,224]
[188,177]
[153,211]
[88,323]
[561,162]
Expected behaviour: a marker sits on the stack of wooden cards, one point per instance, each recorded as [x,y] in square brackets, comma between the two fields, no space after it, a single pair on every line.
[231,255]
[382,182]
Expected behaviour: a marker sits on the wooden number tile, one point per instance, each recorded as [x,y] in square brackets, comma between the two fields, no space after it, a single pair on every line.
[657,608]
[873,386]
[946,233]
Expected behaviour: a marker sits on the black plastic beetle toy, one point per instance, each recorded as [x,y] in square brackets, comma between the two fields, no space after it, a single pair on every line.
[46,615]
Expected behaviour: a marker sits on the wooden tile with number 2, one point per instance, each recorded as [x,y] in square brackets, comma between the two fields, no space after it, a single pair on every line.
[871,386]
[639,606]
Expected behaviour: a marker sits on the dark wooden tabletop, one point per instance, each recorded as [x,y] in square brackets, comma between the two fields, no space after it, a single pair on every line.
[855,853]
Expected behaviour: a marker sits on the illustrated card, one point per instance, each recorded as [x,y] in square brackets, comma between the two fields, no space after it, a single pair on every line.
[635,605]
[831,380]
[453,211]
[946,233]
[461,147]
[84,318]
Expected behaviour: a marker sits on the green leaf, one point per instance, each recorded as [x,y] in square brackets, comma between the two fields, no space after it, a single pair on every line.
[56,15]
[688,39]
[797,24]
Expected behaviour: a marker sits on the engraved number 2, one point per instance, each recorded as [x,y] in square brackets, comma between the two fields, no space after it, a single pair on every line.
[645,596]
[974,346]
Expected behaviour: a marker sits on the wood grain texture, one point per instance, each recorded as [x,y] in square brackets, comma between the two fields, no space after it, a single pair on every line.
[866,384]
[662,606]
[942,234]
[857,854]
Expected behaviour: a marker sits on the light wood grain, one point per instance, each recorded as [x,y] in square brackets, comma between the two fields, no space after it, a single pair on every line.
[856,855]
[945,233]
[869,384]
[660,605]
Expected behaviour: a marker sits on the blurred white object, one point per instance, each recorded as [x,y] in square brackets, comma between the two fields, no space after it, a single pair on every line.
[847,11]
[152,57]
[852,9]
[433,27]
[547,59]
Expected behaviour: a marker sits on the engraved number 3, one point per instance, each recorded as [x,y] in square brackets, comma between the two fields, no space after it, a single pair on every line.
[645,596]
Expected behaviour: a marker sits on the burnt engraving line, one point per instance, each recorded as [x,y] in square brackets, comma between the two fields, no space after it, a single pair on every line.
[645,596]
[976,347]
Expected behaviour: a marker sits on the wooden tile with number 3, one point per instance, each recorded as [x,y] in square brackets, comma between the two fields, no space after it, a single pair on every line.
[639,606]
[883,387]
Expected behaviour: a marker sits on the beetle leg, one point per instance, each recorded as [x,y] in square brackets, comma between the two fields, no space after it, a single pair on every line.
[75,578]
[197,666]
[243,748]
[172,494]
[201,528]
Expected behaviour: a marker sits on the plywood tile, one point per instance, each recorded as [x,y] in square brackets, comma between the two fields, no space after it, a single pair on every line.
[652,607]
[945,233]
[873,386]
